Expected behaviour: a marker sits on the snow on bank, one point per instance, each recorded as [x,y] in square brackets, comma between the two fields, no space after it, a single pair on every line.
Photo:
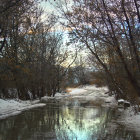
[86,94]
[94,94]
[77,91]
[130,120]
[13,107]
[128,117]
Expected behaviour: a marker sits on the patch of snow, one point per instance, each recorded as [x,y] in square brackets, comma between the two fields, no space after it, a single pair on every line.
[47,97]
[94,88]
[120,100]
[76,91]
[58,94]
[93,94]
[130,120]
[14,107]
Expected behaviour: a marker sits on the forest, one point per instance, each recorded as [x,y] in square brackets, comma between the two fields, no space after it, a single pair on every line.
[34,57]
[69,69]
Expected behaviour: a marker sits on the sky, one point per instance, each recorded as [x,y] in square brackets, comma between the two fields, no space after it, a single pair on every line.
[48,7]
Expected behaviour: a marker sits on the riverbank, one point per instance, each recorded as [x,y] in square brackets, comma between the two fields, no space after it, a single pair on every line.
[86,94]
[89,94]
[14,107]
[129,119]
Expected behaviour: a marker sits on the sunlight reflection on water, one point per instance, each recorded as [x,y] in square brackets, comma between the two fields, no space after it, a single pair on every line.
[57,122]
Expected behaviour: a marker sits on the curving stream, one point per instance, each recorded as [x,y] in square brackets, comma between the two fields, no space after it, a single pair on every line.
[60,122]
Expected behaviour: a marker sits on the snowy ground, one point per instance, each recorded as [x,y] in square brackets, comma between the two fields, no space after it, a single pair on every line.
[130,120]
[90,94]
[14,107]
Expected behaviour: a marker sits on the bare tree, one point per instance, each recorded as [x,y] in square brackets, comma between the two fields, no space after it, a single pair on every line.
[110,31]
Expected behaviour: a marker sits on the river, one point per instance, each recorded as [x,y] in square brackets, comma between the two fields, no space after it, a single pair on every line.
[58,121]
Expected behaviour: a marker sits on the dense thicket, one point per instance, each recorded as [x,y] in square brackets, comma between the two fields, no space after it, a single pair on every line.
[110,30]
[31,54]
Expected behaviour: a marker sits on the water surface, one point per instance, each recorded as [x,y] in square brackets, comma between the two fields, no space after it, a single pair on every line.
[61,122]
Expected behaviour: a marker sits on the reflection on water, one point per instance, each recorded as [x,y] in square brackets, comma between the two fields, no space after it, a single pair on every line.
[55,122]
